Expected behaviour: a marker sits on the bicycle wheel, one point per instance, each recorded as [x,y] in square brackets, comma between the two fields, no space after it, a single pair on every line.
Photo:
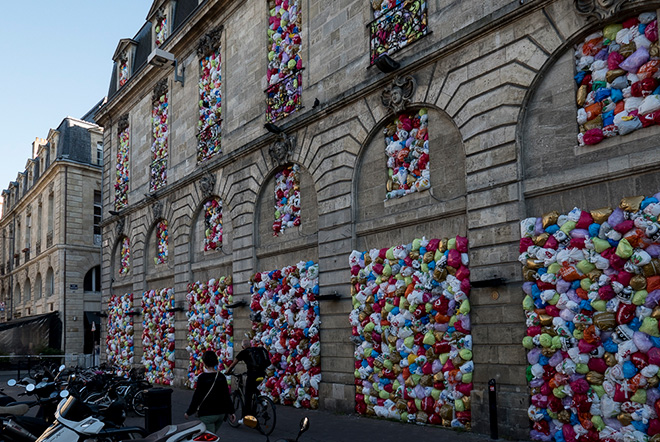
[237,400]
[264,410]
[137,403]
[98,399]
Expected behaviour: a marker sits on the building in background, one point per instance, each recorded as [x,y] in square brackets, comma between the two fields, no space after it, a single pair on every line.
[50,243]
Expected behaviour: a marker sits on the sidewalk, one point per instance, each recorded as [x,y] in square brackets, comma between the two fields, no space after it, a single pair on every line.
[324,427]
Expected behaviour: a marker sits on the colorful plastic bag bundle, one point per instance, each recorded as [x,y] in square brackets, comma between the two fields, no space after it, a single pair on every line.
[407,150]
[592,293]
[617,79]
[159,145]
[158,335]
[210,324]
[210,106]
[284,62]
[411,327]
[162,239]
[284,40]
[125,256]
[161,30]
[285,320]
[121,182]
[287,199]
[212,224]
[393,29]
[123,71]
[119,340]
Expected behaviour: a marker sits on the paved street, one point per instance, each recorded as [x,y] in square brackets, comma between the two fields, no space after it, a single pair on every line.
[324,426]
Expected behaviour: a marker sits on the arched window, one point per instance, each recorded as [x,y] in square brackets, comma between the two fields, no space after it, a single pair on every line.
[38,287]
[50,282]
[28,290]
[212,224]
[92,282]
[125,256]
[17,295]
[162,240]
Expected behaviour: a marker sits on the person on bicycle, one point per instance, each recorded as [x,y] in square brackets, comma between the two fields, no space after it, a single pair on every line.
[256,360]
[211,399]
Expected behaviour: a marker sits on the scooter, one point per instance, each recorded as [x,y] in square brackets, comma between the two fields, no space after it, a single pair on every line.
[76,421]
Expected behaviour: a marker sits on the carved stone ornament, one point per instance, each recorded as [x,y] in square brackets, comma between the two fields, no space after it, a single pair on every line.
[119,227]
[207,184]
[209,42]
[159,90]
[282,149]
[399,93]
[157,209]
[122,123]
[600,9]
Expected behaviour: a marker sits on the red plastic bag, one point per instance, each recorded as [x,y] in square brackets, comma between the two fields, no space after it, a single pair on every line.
[593,136]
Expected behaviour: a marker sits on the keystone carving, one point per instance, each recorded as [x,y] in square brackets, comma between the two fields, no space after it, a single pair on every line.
[159,90]
[600,9]
[397,96]
[122,123]
[209,42]
[206,185]
[119,227]
[282,149]
[157,209]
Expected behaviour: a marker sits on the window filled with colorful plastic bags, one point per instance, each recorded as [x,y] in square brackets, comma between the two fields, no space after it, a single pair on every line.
[162,240]
[119,340]
[411,329]
[617,79]
[121,172]
[210,324]
[592,289]
[284,59]
[285,320]
[158,335]
[210,106]
[125,256]
[161,30]
[407,150]
[397,23]
[212,224]
[159,145]
[287,199]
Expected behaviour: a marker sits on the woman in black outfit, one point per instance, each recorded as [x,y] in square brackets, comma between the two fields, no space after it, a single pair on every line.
[211,399]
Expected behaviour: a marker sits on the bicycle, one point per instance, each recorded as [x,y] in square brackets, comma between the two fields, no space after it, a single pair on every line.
[264,407]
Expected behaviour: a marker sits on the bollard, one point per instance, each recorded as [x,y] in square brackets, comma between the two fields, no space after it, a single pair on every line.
[492,406]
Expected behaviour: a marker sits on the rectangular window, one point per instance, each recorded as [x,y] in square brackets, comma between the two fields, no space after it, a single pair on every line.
[98,210]
[28,231]
[99,153]
[397,24]
[160,135]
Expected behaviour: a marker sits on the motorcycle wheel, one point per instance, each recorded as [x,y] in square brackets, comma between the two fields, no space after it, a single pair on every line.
[237,400]
[99,399]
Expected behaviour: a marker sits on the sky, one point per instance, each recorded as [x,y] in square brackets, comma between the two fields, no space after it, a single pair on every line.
[56,61]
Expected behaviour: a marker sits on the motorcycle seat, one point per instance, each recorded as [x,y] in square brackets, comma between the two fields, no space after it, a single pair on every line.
[15,410]
[163,434]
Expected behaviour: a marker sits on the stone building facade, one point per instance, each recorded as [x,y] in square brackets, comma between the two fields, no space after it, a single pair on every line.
[51,237]
[496,82]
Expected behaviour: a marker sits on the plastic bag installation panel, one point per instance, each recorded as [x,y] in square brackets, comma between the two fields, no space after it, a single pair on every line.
[121,172]
[396,24]
[592,286]
[286,321]
[125,256]
[411,327]
[617,79]
[119,340]
[158,335]
[287,199]
[283,95]
[210,106]
[212,224]
[210,324]
[159,146]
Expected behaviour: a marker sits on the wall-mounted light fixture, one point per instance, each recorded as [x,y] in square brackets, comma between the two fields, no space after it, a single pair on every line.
[387,64]
[241,303]
[113,212]
[176,308]
[134,313]
[332,296]
[495,281]
[162,59]
[273,128]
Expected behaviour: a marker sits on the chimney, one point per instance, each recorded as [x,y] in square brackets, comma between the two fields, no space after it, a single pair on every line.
[38,142]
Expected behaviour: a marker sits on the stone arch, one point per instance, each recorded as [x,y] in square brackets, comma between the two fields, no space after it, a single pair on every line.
[285,249]
[158,248]
[399,220]
[198,246]
[38,287]
[116,261]
[27,290]
[50,282]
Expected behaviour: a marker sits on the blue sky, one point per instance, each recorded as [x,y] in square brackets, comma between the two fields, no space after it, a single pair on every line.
[56,62]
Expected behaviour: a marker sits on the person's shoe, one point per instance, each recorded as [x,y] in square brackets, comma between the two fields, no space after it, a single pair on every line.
[240,421]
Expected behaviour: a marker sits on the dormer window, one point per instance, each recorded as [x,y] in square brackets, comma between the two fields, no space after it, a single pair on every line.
[161,17]
[123,59]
